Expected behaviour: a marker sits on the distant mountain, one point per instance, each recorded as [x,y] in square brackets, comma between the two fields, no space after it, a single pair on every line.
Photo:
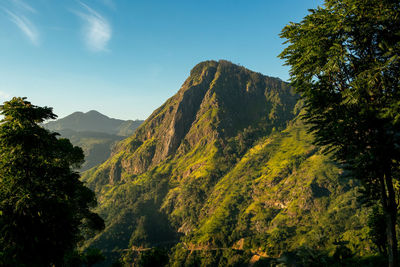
[224,173]
[94,132]
[94,121]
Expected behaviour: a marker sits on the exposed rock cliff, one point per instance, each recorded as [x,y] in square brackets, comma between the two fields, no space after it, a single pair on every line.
[218,101]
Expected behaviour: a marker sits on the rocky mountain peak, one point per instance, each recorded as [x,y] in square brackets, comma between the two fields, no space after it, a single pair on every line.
[218,101]
[225,163]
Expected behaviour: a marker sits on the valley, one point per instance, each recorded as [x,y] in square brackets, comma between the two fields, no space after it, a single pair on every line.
[94,132]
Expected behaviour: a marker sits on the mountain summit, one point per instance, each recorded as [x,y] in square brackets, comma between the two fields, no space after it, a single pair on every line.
[217,102]
[226,165]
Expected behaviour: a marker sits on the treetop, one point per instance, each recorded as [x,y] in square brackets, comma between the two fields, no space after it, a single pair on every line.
[19,109]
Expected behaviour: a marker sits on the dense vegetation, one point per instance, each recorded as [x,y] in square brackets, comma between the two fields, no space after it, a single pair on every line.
[44,207]
[225,173]
[345,62]
[94,132]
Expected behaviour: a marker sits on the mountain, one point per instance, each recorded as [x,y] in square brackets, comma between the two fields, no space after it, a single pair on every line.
[224,173]
[94,132]
[94,121]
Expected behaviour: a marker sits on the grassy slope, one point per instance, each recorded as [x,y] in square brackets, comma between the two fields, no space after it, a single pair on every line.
[283,193]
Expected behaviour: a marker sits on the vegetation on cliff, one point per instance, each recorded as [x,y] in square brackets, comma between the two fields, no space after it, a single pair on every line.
[226,168]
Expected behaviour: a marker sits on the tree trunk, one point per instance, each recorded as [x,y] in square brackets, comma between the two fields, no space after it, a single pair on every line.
[390,208]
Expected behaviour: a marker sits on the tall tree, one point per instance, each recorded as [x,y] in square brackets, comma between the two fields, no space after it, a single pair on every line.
[44,207]
[344,60]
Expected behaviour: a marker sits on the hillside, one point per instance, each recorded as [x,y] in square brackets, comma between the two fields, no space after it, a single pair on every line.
[224,173]
[94,132]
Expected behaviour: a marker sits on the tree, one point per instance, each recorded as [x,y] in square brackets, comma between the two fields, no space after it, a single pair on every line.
[376,224]
[345,63]
[44,207]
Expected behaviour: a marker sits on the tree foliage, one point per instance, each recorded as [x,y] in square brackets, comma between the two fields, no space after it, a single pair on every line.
[376,223]
[44,207]
[345,62]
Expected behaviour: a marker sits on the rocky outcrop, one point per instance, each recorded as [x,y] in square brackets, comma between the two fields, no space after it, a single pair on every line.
[219,99]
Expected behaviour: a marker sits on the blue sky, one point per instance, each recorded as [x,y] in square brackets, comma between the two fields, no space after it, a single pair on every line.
[124,58]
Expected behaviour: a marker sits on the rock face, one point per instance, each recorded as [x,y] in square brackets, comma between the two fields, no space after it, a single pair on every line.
[226,159]
[218,100]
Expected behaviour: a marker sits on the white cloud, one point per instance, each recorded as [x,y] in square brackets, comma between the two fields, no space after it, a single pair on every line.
[16,14]
[24,6]
[25,25]
[97,30]
[4,97]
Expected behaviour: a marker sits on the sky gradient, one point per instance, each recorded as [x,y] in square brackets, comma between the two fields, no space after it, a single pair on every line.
[124,58]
